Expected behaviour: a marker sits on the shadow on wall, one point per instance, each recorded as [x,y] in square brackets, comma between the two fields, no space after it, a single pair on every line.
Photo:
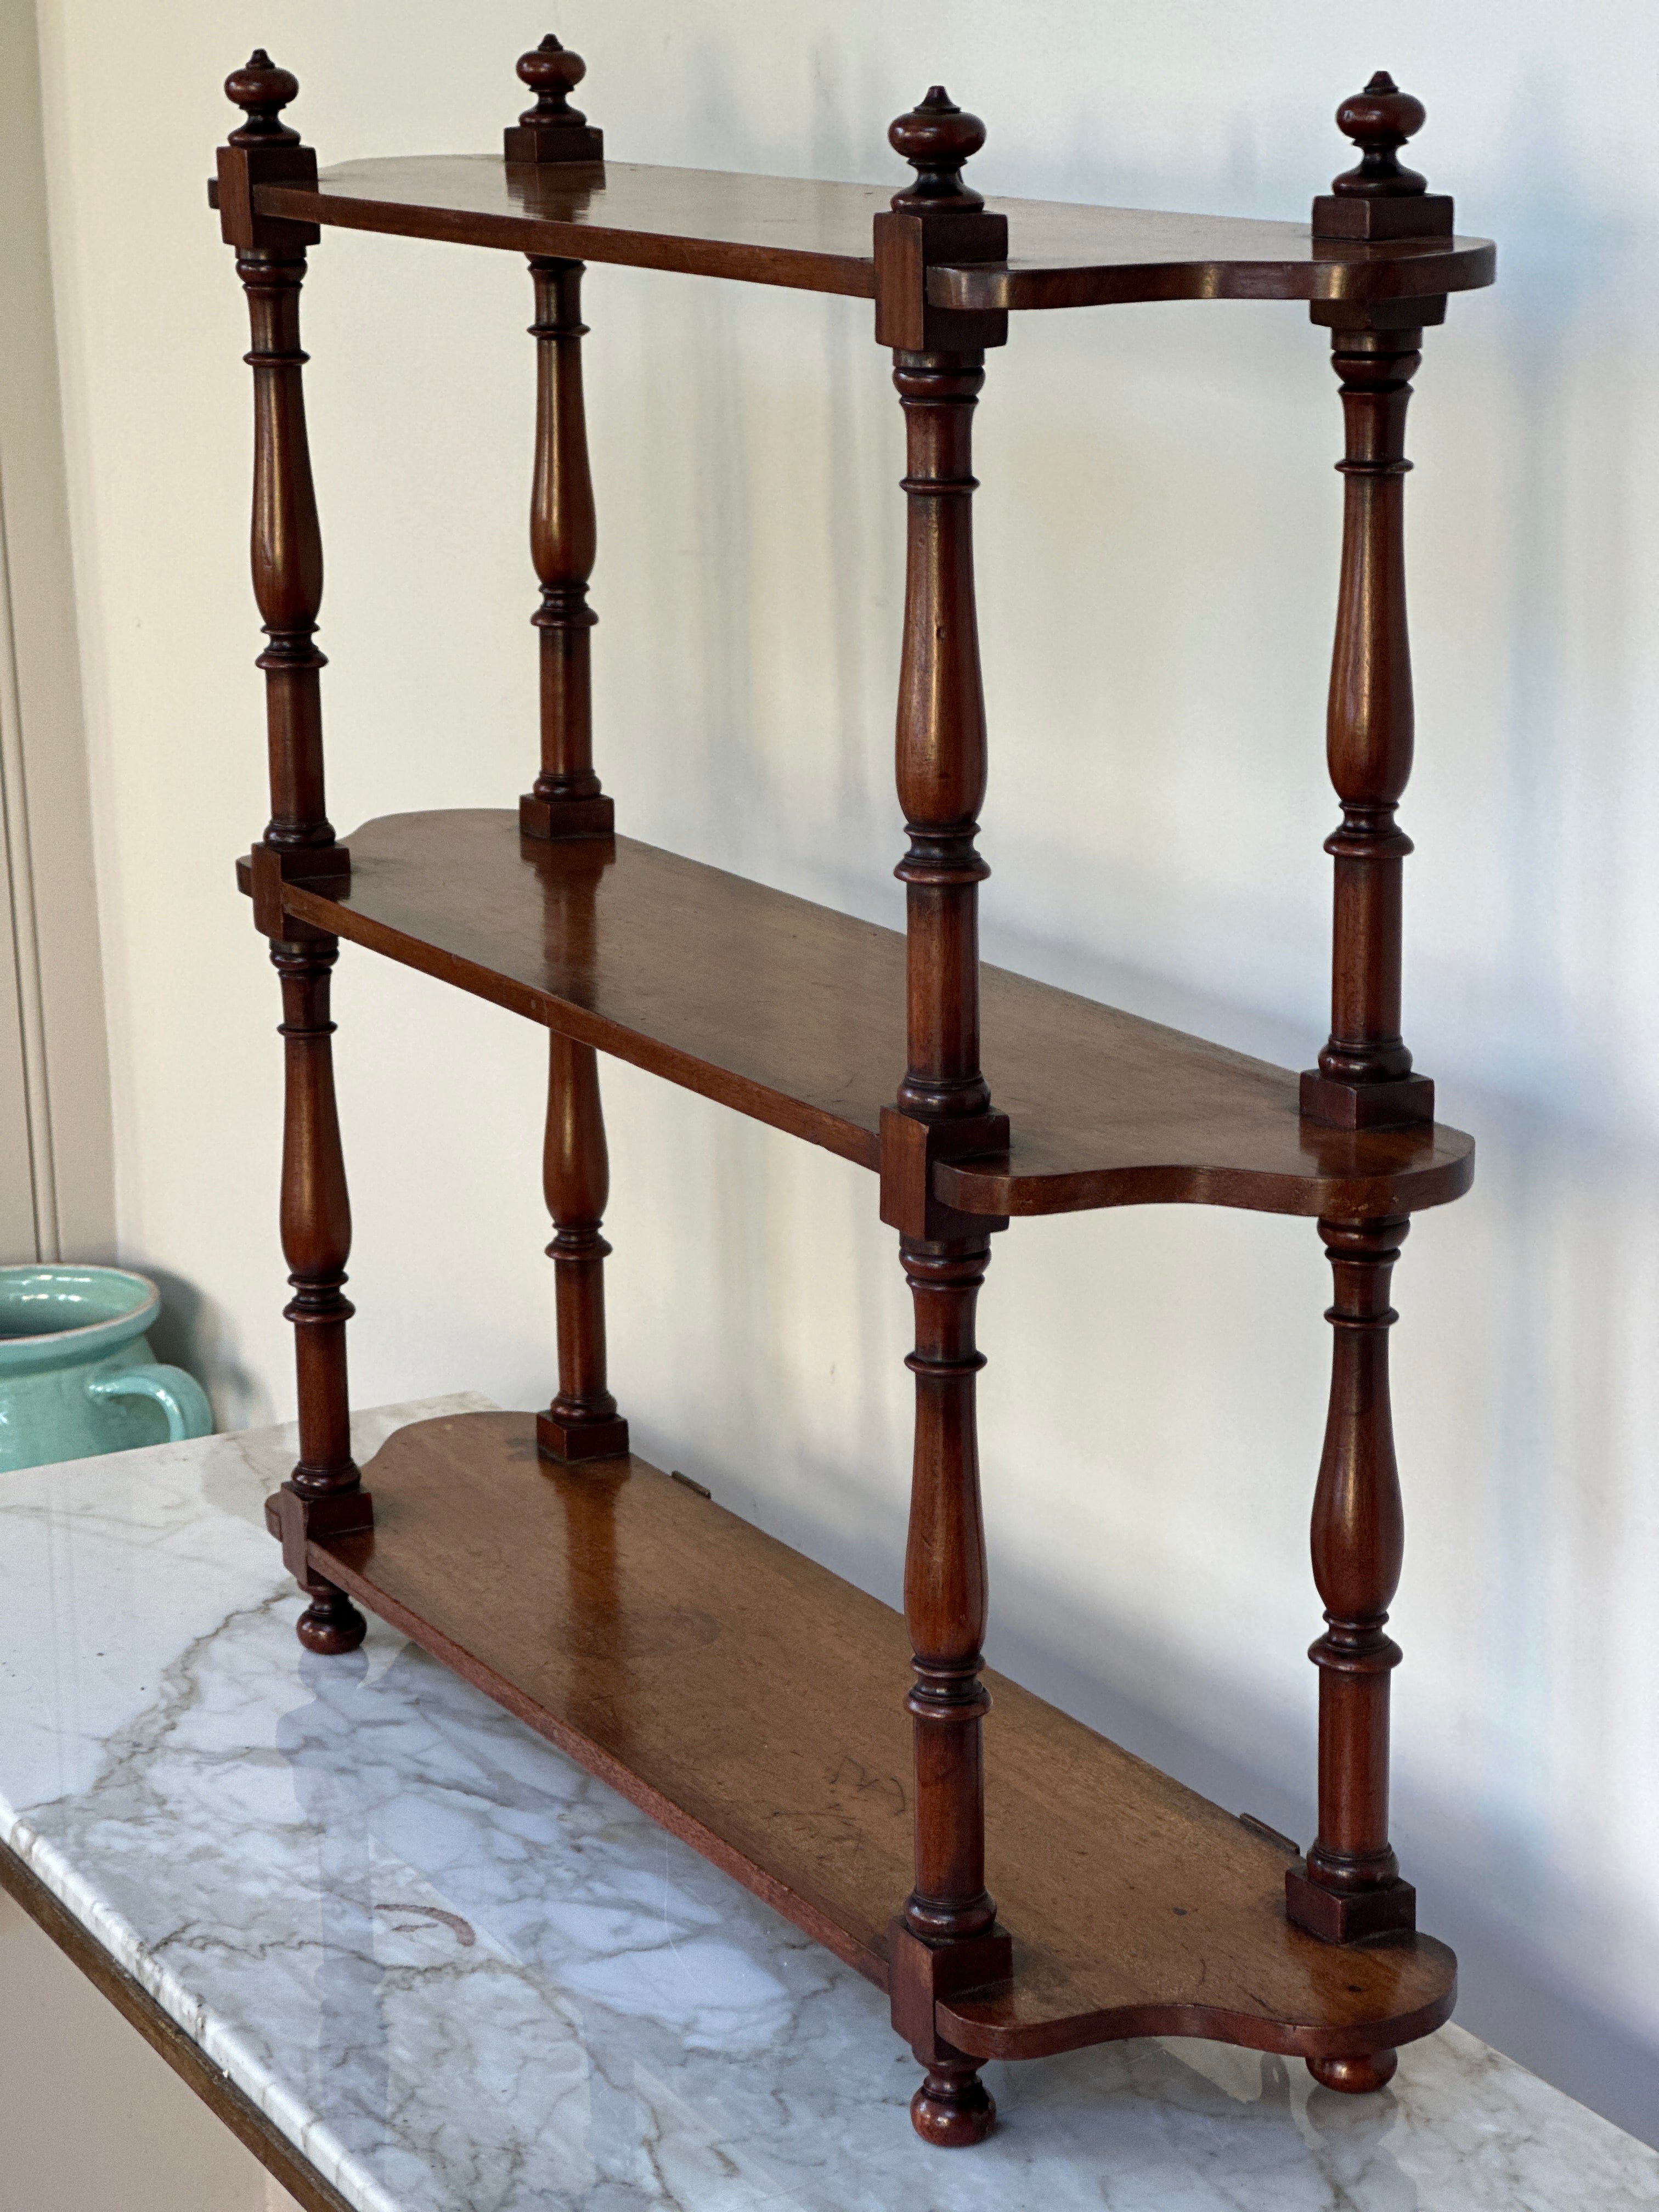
[1524,1776]
[193,1332]
[1483,1890]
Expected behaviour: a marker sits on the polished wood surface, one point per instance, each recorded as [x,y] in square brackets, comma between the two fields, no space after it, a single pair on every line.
[1060,256]
[794,1013]
[941,750]
[1350,1888]
[287,553]
[316,1216]
[1379,197]
[325,1490]
[552,129]
[948,1922]
[817,236]
[708,222]
[1365,1077]
[582,1422]
[566,799]
[747,1698]
[947,1937]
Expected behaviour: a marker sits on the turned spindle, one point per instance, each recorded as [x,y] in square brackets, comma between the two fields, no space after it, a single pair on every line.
[316,1224]
[582,1422]
[566,799]
[940,743]
[1364,1079]
[323,1495]
[567,803]
[941,749]
[945,1939]
[552,131]
[1350,1886]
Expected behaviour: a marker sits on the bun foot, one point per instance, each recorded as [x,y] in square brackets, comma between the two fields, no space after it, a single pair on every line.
[330,1624]
[1355,2076]
[953,2108]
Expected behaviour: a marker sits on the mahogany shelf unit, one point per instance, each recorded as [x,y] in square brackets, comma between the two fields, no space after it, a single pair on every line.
[746,1698]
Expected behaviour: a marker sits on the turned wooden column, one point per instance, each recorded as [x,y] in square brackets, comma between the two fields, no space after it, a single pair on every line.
[1349,1887]
[582,1422]
[565,801]
[325,1495]
[1365,1077]
[944,1595]
[941,749]
[945,1939]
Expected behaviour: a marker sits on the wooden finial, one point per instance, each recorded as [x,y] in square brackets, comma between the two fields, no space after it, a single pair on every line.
[1380,120]
[263,90]
[936,137]
[1379,199]
[553,131]
[262,150]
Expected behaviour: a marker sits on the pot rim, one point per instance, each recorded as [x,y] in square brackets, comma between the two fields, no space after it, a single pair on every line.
[68,1347]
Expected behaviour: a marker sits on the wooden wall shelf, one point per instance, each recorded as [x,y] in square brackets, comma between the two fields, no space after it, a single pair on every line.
[794,1014]
[815,237]
[750,1700]
[743,1696]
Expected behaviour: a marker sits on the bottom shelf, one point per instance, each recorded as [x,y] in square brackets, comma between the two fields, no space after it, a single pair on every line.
[752,1702]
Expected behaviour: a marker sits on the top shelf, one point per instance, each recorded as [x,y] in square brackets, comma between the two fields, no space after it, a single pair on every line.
[818,237]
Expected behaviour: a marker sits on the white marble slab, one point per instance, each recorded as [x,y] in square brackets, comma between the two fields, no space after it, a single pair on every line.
[464,1977]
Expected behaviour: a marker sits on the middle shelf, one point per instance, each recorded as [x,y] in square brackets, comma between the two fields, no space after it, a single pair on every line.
[794,1013]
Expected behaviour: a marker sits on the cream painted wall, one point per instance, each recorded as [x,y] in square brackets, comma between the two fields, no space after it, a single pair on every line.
[56,1182]
[1159,531]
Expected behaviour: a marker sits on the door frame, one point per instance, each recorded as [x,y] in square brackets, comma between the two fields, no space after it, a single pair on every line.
[54,1052]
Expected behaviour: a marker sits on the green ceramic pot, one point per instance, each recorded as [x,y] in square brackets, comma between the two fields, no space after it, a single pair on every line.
[75,1373]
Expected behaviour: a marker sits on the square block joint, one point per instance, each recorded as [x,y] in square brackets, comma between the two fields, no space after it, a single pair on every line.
[1334,1917]
[1407,1103]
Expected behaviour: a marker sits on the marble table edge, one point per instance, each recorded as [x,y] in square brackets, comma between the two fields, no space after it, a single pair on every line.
[224,2045]
[213,2035]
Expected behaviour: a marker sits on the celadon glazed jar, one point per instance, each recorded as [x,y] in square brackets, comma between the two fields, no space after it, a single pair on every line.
[75,1373]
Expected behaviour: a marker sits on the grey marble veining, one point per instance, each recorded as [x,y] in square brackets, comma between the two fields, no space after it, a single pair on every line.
[464,1977]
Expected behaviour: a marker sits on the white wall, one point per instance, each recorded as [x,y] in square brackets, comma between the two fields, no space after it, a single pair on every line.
[1158,532]
[57,1182]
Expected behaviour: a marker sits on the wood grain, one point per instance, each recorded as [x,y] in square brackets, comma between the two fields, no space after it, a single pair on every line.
[287,555]
[751,1702]
[794,1014]
[819,237]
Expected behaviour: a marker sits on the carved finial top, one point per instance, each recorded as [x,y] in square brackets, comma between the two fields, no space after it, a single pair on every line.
[1380,120]
[936,137]
[263,90]
[552,72]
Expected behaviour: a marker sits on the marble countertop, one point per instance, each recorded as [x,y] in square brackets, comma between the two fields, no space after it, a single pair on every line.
[462,1976]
